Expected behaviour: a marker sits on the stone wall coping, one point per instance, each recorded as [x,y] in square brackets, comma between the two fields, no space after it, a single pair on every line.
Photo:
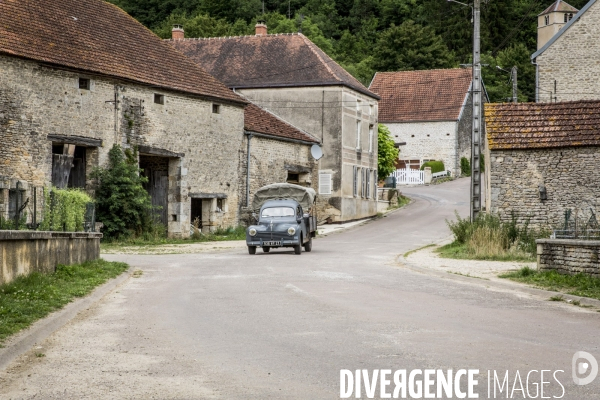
[570,242]
[33,235]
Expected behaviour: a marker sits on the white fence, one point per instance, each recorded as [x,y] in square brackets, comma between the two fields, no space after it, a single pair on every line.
[441,173]
[409,176]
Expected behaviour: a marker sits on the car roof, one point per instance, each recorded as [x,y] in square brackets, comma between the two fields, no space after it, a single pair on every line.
[280,203]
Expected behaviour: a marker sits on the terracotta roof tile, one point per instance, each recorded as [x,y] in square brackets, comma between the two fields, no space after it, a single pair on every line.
[559,6]
[542,125]
[261,121]
[431,95]
[98,37]
[267,61]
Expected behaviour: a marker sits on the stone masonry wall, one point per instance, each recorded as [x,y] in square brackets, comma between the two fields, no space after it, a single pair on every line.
[270,162]
[569,256]
[37,100]
[570,175]
[573,61]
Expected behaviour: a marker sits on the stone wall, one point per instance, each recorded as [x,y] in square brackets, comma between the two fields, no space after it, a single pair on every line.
[569,256]
[570,175]
[573,61]
[37,101]
[271,160]
[330,114]
[24,252]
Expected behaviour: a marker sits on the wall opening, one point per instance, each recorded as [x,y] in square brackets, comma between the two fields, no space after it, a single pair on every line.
[156,169]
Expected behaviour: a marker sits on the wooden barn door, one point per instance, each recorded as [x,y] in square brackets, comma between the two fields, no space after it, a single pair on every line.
[159,187]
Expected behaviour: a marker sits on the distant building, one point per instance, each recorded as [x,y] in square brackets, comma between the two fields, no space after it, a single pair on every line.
[430,111]
[79,76]
[291,77]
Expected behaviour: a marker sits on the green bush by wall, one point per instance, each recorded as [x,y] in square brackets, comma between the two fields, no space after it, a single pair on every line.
[64,210]
[436,166]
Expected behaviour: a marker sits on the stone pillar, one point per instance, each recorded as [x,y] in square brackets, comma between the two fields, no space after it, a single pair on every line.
[428,175]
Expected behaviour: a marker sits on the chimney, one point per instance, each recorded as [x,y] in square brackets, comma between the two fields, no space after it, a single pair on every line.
[177,32]
[261,28]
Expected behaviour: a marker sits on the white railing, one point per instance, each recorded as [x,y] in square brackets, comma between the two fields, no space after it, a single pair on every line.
[441,173]
[409,176]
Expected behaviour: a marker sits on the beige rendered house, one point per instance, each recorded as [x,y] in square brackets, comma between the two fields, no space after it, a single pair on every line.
[289,76]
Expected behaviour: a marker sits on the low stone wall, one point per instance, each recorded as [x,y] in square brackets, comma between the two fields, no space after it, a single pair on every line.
[569,256]
[24,252]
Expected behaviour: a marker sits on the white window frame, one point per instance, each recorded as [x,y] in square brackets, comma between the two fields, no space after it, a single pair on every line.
[368,184]
[355,181]
[324,183]
[358,105]
[371,138]
[358,129]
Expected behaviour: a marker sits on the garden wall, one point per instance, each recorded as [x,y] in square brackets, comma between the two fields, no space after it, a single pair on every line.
[24,252]
[569,256]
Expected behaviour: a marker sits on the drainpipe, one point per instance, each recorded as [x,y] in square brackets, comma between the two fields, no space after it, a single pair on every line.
[249,136]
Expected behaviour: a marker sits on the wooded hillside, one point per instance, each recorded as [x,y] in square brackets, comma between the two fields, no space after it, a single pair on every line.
[366,36]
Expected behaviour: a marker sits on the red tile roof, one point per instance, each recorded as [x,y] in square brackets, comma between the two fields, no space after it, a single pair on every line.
[542,125]
[559,6]
[261,121]
[431,95]
[282,60]
[98,37]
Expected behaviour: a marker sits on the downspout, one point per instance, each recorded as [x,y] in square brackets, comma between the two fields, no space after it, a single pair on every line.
[249,136]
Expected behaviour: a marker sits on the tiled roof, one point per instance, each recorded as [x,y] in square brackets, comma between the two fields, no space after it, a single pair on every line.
[261,121]
[98,37]
[431,95]
[559,6]
[542,125]
[282,60]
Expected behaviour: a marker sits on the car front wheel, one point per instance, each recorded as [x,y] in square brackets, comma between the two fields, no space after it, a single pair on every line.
[251,249]
[298,248]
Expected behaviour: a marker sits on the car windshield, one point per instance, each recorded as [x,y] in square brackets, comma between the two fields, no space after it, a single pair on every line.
[278,212]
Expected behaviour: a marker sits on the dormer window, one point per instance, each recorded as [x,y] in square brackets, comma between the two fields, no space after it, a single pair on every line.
[547,19]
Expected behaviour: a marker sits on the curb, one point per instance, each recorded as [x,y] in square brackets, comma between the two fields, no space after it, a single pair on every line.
[23,341]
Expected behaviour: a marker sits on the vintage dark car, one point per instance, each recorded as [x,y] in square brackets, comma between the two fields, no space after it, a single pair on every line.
[286,218]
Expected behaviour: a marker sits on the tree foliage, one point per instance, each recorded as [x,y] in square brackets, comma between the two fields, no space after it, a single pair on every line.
[387,153]
[122,203]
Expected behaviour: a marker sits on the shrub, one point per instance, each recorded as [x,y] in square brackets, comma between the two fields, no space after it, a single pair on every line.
[465,166]
[64,209]
[436,166]
[124,206]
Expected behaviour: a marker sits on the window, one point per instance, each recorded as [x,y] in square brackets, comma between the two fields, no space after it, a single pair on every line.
[566,17]
[293,177]
[358,135]
[368,184]
[220,205]
[374,183]
[370,109]
[278,212]
[570,17]
[216,109]
[547,19]
[324,183]
[355,182]
[358,105]
[84,83]
[370,138]
[363,186]
[159,98]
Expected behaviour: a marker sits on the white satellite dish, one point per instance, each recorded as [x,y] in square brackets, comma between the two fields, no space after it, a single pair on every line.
[316,151]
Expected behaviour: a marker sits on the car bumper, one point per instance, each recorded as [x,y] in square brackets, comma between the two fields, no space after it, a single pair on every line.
[284,242]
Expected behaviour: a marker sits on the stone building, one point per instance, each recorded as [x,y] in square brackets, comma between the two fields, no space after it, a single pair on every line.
[276,152]
[291,77]
[78,76]
[568,63]
[430,112]
[542,159]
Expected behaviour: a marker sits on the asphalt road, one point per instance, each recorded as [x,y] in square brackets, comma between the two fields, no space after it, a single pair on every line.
[234,326]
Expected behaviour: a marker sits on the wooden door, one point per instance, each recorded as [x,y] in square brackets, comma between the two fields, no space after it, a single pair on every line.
[159,187]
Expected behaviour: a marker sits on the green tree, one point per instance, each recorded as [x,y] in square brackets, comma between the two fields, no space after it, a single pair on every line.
[497,82]
[122,203]
[387,153]
[411,47]
[199,25]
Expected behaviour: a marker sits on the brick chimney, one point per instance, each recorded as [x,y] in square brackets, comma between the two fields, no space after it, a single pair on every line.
[261,28]
[177,32]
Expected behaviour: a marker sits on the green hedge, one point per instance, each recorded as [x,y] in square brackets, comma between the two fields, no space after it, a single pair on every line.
[64,210]
[436,166]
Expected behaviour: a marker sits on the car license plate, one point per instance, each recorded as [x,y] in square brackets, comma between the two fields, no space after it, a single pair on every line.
[272,243]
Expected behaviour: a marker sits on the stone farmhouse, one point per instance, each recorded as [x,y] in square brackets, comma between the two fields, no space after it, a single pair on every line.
[292,78]
[568,56]
[541,160]
[78,76]
[429,112]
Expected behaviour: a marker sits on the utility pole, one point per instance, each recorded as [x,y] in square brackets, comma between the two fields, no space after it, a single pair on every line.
[514,82]
[477,111]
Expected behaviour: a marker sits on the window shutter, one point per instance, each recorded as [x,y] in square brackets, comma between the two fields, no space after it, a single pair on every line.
[355,183]
[368,184]
[324,183]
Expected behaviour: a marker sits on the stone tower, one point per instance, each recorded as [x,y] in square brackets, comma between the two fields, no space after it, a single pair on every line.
[552,19]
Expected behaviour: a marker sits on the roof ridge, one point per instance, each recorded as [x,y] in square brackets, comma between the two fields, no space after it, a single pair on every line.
[234,37]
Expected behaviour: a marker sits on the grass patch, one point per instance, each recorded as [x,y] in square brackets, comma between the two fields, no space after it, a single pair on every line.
[221,234]
[463,252]
[576,285]
[29,298]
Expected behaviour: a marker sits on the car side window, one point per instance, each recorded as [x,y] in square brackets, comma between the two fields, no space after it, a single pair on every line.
[298,212]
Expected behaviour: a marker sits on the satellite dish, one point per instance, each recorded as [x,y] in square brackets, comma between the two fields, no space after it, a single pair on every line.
[316,151]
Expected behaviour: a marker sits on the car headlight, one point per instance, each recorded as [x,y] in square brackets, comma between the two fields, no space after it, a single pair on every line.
[252,232]
[291,231]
